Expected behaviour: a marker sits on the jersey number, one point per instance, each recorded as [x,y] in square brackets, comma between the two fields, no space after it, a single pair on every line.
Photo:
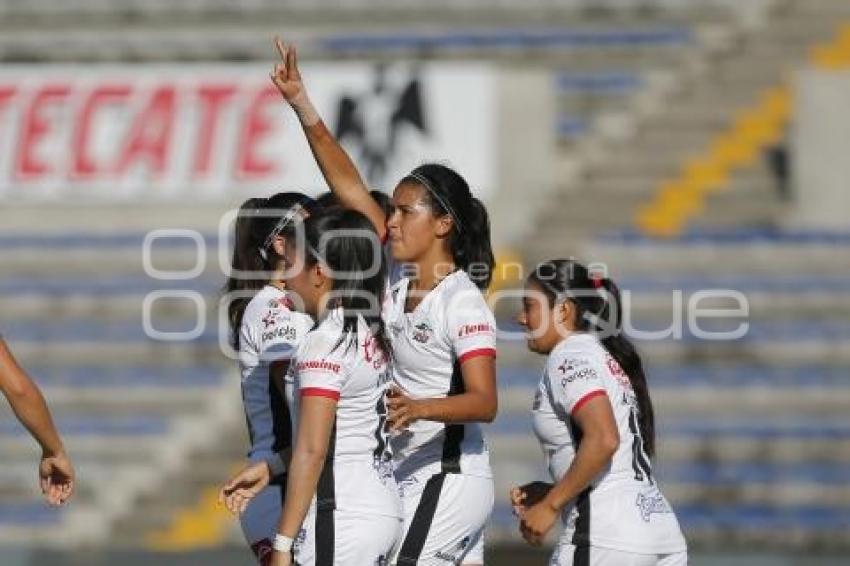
[640,463]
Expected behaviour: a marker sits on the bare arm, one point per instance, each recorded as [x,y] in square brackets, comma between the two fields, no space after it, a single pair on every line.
[336,165]
[315,423]
[478,402]
[600,440]
[55,471]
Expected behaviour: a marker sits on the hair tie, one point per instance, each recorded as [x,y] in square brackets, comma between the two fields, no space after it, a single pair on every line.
[422,180]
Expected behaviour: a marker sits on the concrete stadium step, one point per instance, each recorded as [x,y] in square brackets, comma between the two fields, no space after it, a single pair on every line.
[155,510]
[97,307]
[118,355]
[522,449]
[757,253]
[108,220]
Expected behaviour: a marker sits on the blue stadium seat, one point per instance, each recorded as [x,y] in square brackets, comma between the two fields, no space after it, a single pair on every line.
[510,38]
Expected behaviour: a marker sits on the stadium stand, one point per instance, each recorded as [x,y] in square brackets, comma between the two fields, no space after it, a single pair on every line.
[754,435]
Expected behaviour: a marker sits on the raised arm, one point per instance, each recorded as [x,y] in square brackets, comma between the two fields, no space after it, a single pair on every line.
[339,171]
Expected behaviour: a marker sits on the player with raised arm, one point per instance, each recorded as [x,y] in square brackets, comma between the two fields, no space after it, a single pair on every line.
[443,337]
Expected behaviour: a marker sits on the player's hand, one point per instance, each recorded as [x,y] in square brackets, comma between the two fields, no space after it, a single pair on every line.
[56,478]
[402,411]
[285,75]
[281,559]
[536,521]
[244,486]
[525,496]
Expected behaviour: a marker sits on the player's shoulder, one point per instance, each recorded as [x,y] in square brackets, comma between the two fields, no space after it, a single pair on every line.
[576,351]
[459,290]
[322,340]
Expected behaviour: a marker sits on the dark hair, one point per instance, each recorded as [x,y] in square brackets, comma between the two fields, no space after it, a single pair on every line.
[357,295]
[252,255]
[594,309]
[469,242]
[327,199]
[384,201]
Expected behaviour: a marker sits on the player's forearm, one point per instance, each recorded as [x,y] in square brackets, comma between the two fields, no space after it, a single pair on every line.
[304,470]
[31,409]
[28,403]
[593,456]
[468,407]
[337,168]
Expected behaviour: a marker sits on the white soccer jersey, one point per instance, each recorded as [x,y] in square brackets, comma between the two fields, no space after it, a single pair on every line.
[623,509]
[359,478]
[269,333]
[452,324]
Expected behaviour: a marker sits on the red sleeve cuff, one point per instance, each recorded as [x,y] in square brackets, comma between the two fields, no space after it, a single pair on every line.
[491,352]
[319,392]
[581,402]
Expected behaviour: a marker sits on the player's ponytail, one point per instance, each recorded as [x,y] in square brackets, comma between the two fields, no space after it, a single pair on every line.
[469,240]
[257,222]
[623,351]
[598,309]
[246,258]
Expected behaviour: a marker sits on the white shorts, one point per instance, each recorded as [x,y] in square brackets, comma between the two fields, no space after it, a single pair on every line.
[567,554]
[260,520]
[337,538]
[444,520]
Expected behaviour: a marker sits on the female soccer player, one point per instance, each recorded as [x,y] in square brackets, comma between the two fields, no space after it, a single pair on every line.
[341,498]
[55,472]
[265,330]
[443,338]
[594,419]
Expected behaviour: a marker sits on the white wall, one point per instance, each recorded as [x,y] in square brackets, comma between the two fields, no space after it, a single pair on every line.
[820,150]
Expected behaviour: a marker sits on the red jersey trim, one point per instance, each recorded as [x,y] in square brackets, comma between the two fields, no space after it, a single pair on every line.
[319,392]
[580,403]
[491,352]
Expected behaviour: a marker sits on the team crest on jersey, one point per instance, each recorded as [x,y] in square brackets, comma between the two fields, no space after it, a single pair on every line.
[651,502]
[422,332]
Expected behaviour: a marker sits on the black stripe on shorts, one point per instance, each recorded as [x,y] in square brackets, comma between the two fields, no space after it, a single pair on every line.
[581,536]
[420,526]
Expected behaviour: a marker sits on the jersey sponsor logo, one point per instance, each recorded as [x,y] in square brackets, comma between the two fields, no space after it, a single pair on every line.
[284,333]
[318,365]
[572,364]
[422,332]
[469,330]
[269,319]
[651,502]
[576,368]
